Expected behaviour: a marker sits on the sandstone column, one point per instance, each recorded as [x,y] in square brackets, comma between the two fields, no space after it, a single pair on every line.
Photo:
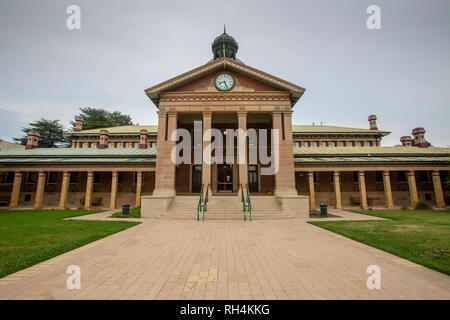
[312,197]
[39,200]
[165,168]
[89,187]
[114,180]
[337,189]
[206,167]
[64,190]
[14,202]
[412,188]
[387,189]
[362,190]
[138,188]
[440,202]
[243,169]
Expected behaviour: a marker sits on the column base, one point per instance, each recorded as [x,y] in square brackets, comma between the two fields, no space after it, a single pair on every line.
[156,204]
[295,205]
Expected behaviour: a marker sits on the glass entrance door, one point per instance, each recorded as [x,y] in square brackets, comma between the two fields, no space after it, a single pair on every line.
[196,179]
[253,178]
[224,178]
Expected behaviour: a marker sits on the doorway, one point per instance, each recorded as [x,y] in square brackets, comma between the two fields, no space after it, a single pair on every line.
[253,178]
[196,179]
[224,178]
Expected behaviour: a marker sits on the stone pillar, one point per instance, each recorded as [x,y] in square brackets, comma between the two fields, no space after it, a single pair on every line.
[32,139]
[312,197]
[337,189]
[103,139]
[14,202]
[89,187]
[414,198]
[114,180]
[439,195]
[64,190]
[362,190]
[79,120]
[143,136]
[165,168]
[387,190]
[138,188]
[243,167]
[206,168]
[39,200]
[285,177]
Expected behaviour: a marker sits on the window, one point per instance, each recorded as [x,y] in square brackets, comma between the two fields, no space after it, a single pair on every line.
[378,176]
[96,177]
[27,197]
[52,177]
[32,177]
[7,177]
[424,176]
[119,177]
[333,143]
[297,144]
[316,177]
[355,177]
[306,144]
[401,176]
[109,144]
[315,144]
[89,145]
[351,144]
[324,143]
[342,143]
[360,144]
[126,145]
[82,144]
[369,143]
[74,177]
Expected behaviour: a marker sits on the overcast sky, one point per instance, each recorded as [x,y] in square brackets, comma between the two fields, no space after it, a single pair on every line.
[401,73]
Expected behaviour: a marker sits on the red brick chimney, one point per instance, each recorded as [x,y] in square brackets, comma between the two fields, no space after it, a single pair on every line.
[33,139]
[419,138]
[143,135]
[79,120]
[406,141]
[373,122]
[104,136]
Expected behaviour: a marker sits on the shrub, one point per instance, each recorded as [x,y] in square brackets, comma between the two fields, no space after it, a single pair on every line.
[404,207]
[423,205]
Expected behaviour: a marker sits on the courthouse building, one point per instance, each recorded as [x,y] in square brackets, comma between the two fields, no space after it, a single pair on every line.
[339,166]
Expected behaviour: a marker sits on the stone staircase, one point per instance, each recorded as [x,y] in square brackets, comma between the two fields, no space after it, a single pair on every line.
[225,207]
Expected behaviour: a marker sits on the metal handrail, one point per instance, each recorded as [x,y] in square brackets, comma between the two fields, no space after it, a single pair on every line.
[200,203]
[205,204]
[249,204]
[244,206]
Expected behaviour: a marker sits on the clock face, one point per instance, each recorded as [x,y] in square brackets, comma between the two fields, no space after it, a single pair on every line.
[224,82]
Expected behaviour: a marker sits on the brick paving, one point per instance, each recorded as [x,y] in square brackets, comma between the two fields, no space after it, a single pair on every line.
[265,259]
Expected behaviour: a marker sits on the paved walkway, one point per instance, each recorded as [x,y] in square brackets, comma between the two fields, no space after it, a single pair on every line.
[271,259]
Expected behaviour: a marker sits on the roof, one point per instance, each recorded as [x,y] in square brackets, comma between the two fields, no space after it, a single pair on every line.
[224,63]
[4,145]
[371,155]
[78,155]
[325,129]
[121,130]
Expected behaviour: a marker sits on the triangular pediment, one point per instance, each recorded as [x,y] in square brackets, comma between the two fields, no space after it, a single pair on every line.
[201,79]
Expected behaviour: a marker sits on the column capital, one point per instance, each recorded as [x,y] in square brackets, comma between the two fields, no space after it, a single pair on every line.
[241,113]
[361,173]
[161,113]
[288,113]
[115,173]
[276,113]
[172,114]
[207,113]
[435,173]
[411,172]
[336,173]
[386,172]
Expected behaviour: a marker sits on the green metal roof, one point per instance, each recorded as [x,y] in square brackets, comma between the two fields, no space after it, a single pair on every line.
[121,130]
[78,155]
[325,129]
[371,155]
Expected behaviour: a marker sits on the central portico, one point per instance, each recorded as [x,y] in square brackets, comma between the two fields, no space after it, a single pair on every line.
[223,94]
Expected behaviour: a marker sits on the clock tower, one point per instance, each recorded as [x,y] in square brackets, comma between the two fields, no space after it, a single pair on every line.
[224,45]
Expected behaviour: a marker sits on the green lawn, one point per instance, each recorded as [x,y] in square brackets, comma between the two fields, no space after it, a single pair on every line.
[422,237]
[134,213]
[31,236]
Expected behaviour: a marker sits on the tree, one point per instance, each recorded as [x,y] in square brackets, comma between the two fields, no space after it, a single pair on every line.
[51,132]
[100,118]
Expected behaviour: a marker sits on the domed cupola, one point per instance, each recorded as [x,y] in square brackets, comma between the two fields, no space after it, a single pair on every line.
[224,44]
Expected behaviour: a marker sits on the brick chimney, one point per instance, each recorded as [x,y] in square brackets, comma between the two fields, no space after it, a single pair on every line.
[79,120]
[419,138]
[406,141]
[143,135]
[373,122]
[33,139]
[104,136]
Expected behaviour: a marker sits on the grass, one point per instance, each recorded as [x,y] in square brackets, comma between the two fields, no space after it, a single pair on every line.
[134,213]
[422,237]
[30,236]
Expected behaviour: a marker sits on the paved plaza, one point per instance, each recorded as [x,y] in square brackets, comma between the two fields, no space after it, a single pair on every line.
[266,259]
